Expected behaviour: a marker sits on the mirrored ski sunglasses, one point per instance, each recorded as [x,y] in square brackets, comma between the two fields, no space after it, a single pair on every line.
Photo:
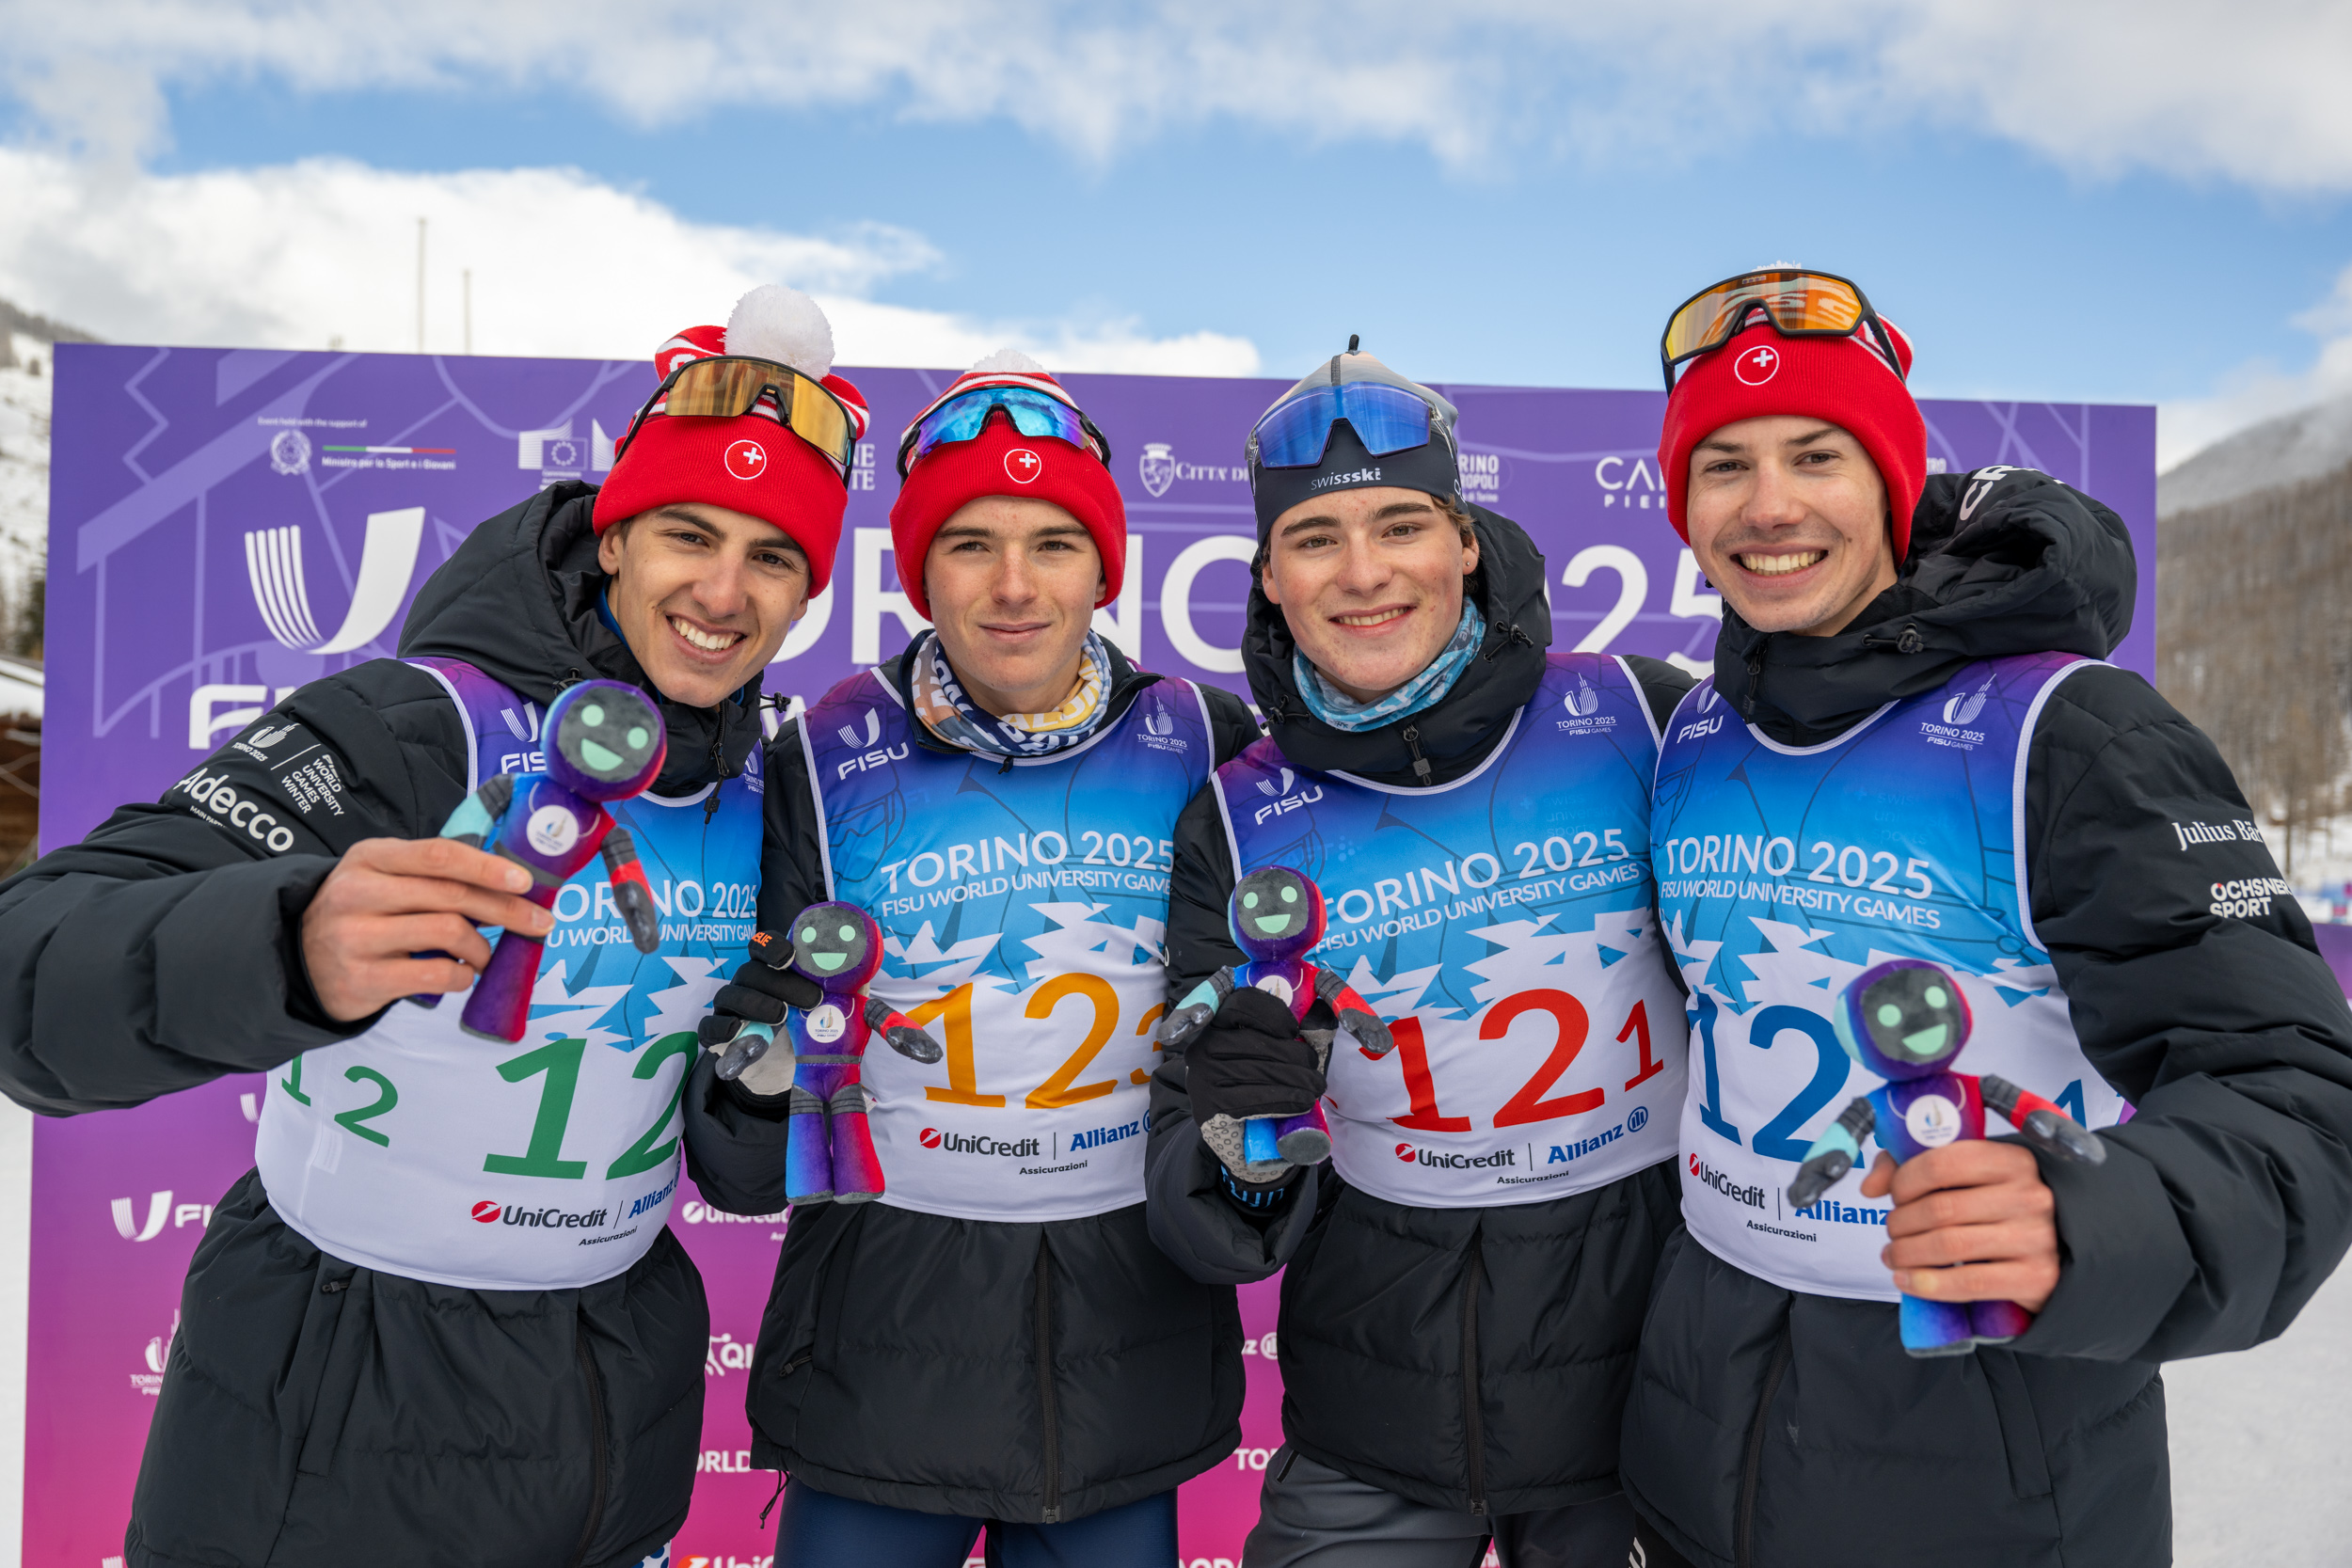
[727,385]
[1033,413]
[1798,302]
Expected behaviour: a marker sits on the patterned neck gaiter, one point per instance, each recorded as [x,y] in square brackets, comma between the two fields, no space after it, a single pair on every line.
[948,712]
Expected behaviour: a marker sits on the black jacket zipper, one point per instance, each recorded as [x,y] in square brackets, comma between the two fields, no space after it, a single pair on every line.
[1751,1470]
[1474,1427]
[1412,736]
[1045,1380]
[596,1443]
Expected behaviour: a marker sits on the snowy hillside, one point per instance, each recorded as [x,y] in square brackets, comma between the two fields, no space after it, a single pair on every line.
[24,471]
[2291,447]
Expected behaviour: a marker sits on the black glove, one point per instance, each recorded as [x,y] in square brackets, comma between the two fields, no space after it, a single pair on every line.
[1250,1062]
[766,985]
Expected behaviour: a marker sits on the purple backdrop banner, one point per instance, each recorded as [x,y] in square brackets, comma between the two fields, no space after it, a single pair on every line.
[227,525]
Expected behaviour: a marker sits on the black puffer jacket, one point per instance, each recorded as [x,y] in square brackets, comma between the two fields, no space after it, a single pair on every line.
[312,1413]
[1768,1427]
[1465,1358]
[1023,1372]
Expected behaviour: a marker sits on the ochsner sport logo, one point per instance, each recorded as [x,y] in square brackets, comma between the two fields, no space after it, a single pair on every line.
[1707,1176]
[1413,1156]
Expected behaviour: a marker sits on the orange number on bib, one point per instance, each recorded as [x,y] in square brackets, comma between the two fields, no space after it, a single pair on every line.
[1412,1054]
[964,1078]
[1568,1013]
[1056,1092]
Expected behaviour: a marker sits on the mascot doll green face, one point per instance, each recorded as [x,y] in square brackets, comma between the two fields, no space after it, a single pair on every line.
[1906,1020]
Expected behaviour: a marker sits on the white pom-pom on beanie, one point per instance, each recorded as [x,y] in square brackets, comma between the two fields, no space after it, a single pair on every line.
[784,324]
[1008,362]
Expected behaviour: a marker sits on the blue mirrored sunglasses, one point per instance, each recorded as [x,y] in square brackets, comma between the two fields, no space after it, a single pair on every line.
[1033,414]
[1385,418]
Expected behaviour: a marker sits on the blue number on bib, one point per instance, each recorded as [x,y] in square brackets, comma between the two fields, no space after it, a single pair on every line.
[2069,1100]
[1829,1076]
[1711,1105]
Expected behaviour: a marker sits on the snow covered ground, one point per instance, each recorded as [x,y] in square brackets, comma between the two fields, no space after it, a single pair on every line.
[23,464]
[2262,1447]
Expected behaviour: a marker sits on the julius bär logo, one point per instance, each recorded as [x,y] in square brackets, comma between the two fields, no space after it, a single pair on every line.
[929,1138]
[1022,465]
[1757,365]
[486,1212]
[747,459]
[1158,467]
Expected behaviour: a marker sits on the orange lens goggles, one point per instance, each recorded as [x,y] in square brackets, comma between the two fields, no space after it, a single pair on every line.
[727,386]
[1800,304]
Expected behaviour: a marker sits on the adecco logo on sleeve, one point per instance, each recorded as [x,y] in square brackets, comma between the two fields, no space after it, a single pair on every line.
[212,796]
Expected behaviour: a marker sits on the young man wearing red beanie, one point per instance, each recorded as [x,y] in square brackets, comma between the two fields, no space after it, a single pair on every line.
[443,1321]
[1911,749]
[994,1343]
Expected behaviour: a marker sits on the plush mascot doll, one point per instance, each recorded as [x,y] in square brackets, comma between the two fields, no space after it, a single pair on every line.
[1905,1021]
[829,1151]
[605,743]
[1277,916]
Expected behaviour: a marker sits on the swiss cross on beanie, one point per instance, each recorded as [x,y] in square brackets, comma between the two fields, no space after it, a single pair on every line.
[752,463]
[1845,381]
[1000,461]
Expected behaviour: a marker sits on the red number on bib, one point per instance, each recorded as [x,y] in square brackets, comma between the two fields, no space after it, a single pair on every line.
[1568,1013]
[1412,1054]
[1638,1021]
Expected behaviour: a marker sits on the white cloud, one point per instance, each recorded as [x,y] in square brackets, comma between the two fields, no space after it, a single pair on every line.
[2252,95]
[2260,390]
[297,255]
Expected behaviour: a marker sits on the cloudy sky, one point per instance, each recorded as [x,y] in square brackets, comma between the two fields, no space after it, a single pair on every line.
[2142,202]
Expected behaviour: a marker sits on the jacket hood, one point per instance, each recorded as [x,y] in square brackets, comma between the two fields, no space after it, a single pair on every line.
[2003,560]
[518,602]
[1465,724]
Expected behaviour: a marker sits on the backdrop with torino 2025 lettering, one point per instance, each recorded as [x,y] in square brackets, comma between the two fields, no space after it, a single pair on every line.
[227,525]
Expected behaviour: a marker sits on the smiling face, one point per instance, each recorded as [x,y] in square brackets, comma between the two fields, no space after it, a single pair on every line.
[1787,518]
[1012,583]
[838,945]
[1276,913]
[703,595]
[608,740]
[1370,583]
[1904,1018]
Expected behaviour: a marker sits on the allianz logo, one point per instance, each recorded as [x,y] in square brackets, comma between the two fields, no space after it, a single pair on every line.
[870,754]
[161,1211]
[1284,799]
[1095,1137]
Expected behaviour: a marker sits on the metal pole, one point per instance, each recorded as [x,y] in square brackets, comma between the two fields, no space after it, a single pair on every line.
[420,285]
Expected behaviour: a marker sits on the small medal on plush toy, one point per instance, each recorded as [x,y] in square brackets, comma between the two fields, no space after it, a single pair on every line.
[829,1148]
[605,744]
[1905,1021]
[1277,916]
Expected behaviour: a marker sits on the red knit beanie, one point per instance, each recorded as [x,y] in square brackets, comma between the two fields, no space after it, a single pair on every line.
[1001,461]
[750,463]
[1845,381]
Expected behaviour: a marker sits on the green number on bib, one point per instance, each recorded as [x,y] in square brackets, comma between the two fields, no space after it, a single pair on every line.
[559,1061]
[385,1102]
[641,1156]
[294,1086]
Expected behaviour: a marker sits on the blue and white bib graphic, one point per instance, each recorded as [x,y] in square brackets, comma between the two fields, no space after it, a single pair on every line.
[1785,872]
[420,1150]
[1023,911]
[1502,924]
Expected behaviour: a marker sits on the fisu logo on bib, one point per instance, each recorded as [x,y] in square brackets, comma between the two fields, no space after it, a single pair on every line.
[1024,913]
[1785,872]
[1501,923]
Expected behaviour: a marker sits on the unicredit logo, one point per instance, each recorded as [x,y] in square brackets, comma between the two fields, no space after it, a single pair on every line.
[1412,1156]
[486,1212]
[969,1142]
[1708,1176]
[550,1218]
